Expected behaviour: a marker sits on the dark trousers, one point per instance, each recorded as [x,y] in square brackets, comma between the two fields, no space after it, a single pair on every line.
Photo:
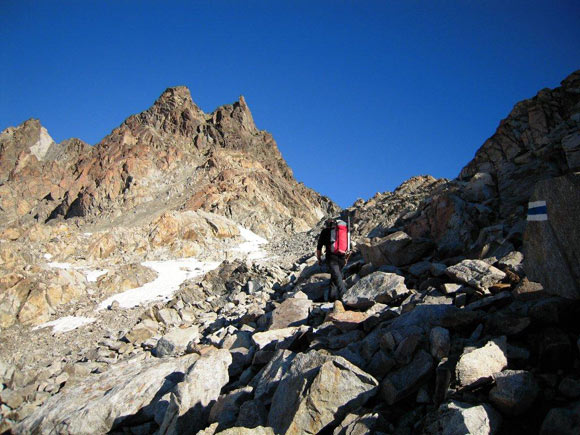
[337,287]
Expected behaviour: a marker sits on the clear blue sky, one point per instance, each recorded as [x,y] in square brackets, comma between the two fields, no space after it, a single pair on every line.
[359,95]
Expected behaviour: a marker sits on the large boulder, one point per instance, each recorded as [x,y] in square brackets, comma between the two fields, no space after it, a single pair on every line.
[101,403]
[191,400]
[396,249]
[515,391]
[399,384]
[475,273]
[479,365]
[378,287]
[318,390]
[292,312]
[176,341]
[552,236]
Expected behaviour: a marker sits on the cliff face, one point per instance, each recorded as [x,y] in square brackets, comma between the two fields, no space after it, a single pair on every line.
[171,156]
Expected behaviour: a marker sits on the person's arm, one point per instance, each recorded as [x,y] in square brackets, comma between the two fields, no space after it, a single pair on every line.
[319,255]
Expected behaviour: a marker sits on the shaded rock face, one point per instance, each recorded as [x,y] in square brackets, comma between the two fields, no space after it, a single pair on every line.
[171,156]
[552,246]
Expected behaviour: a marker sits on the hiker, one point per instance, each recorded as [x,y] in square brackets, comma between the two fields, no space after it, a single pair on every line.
[332,237]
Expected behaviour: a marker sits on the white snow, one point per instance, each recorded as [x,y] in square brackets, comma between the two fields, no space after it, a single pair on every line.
[93,275]
[252,245]
[60,265]
[67,323]
[48,256]
[171,274]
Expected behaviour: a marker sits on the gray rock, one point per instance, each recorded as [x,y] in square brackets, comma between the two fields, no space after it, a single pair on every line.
[440,342]
[457,418]
[192,399]
[318,390]
[400,383]
[562,421]
[396,249]
[380,365]
[292,312]
[278,338]
[515,391]
[558,236]
[377,287]
[450,288]
[420,268]
[354,424]
[225,410]
[104,400]
[253,413]
[475,273]
[406,348]
[486,302]
[267,379]
[514,261]
[175,341]
[480,364]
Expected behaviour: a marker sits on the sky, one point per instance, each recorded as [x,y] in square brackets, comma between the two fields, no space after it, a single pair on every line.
[359,95]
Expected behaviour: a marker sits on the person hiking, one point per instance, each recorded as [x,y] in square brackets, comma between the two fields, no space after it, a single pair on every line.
[331,237]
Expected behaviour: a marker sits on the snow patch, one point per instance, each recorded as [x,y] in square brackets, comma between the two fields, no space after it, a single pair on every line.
[252,246]
[65,324]
[48,256]
[93,275]
[170,276]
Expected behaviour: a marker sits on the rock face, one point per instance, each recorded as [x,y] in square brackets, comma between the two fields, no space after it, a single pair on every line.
[551,246]
[104,401]
[173,155]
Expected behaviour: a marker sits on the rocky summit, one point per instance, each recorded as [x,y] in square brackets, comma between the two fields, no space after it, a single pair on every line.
[163,281]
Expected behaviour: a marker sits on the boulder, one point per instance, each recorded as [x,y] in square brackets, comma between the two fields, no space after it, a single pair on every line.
[552,243]
[101,403]
[481,364]
[278,338]
[400,383]
[191,400]
[458,418]
[515,391]
[475,273]
[176,341]
[226,409]
[396,249]
[267,379]
[318,390]
[377,287]
[354,424]
[291,312]
[440,341]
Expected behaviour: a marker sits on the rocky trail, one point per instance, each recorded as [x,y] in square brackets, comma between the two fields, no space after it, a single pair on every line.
[130,304]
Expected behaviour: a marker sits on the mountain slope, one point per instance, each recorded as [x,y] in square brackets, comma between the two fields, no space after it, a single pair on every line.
[171,156]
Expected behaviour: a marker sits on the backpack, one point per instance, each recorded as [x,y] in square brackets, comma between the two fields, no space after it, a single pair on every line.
[339,238]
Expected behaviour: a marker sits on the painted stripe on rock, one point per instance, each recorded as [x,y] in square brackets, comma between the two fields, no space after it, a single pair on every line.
[537,211]
[536,204]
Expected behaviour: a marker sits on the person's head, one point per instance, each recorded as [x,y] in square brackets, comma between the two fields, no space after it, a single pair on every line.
[330,222]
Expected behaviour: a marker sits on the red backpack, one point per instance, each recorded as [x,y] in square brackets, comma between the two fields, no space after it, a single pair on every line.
[339,238]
